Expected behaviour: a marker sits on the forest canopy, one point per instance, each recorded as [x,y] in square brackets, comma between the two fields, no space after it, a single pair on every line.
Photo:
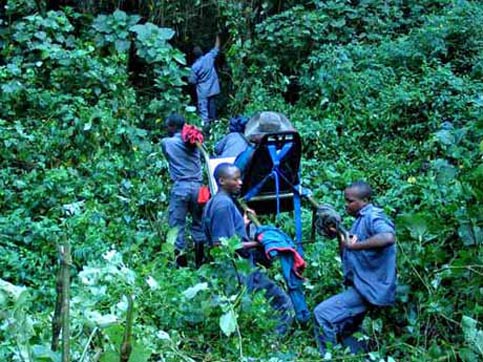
[386,91]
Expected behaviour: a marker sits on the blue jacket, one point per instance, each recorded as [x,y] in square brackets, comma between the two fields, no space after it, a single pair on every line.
[278,244]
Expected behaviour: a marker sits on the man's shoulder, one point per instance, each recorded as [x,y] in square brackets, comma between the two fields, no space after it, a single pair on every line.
[371,210]
[197,63]
[170,138]
[221,202]
[211,54]
[176,139]
[235,135]
[222,199]
[376,215]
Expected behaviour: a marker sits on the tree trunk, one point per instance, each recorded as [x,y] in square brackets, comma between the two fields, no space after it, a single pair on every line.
[66,261]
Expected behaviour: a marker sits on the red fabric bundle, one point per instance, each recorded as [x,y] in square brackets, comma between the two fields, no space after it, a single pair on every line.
[203,195]
[192,135]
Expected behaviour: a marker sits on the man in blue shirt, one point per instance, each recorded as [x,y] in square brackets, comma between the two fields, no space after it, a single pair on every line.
[369,266]
[222,219]
[204,76]
[185,172]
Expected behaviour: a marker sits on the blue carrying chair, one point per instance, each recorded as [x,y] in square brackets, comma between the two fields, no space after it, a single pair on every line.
[271,177]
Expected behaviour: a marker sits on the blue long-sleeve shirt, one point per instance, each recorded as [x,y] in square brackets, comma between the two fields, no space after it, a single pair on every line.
[204,76]
[222,219]
[184,161]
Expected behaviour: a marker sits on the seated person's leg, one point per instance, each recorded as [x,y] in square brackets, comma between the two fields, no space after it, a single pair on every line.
[278,298]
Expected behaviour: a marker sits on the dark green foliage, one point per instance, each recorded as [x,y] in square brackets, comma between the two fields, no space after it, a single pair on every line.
[386,91]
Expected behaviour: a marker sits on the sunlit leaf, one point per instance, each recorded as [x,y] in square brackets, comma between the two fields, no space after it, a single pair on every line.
[153,284]
[228,322]
[473,335]
[172,235]
[190,293]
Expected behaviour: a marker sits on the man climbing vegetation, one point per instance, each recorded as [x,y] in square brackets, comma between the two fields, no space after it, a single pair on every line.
[185,172]
[369,267]
[222,219]
[204,76]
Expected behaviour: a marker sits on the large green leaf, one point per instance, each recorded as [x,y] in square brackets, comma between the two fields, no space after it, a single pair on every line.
[471,235]
[445,172]
[45,354]
[166,33]
[228,323]
[473,335]
[417,224]
[190,293]
[139,354]
[445,137]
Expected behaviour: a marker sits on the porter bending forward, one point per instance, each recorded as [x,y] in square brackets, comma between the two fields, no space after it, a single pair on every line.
[369,266]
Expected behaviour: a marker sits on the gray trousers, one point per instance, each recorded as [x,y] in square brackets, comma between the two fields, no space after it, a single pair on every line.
[183,200]
[338,317]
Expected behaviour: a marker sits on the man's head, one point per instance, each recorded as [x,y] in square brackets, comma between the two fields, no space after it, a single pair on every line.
[228,178]
[174,123]
[357,195]
[197,52]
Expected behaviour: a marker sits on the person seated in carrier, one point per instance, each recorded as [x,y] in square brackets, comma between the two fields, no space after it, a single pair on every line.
[234,142]
[259,125]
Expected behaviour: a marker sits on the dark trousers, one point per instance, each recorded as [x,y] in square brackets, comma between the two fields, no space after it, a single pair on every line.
[207,109]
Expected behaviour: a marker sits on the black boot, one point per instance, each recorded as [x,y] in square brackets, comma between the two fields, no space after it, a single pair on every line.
[199,254]
[206,129]
[180,259]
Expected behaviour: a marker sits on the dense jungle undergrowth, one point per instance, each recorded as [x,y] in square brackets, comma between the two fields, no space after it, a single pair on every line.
[387,91]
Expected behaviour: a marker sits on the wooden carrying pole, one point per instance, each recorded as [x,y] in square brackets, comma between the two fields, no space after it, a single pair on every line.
[206,156]
[251,216]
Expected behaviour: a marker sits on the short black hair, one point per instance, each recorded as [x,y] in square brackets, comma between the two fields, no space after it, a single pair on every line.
[222,170]
[175,120]
[197,52]
[364,191]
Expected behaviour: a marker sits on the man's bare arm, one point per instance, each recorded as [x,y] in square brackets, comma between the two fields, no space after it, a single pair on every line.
[377,241]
